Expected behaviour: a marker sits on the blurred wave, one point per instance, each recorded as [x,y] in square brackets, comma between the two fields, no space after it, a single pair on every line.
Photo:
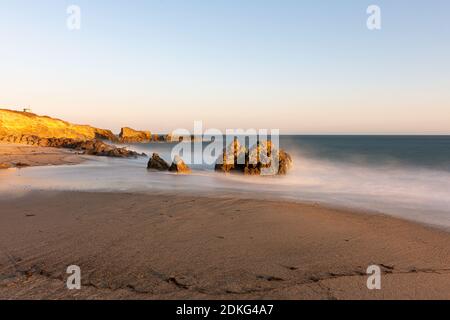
[407,177]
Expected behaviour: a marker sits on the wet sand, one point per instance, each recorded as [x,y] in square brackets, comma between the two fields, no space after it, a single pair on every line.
[20,155]
[170,246]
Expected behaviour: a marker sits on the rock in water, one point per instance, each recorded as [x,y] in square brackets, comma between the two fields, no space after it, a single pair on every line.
[233,158]
[161,138]
[128,135]
[285,162]
[157,163]
[179,166]
[259,160]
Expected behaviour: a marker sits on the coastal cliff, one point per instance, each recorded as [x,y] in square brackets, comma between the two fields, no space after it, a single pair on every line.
[16,124]
[42,131]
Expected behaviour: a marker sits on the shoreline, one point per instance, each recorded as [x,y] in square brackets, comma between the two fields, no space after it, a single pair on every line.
[168,246]
[22,155]
[230,196]
[38,156]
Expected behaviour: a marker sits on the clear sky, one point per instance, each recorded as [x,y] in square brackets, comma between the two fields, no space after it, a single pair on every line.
[300,66]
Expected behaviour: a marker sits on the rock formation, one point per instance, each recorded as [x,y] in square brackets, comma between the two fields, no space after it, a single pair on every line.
[233,158]
[162,138]
[285,162]
[261,159]
[128,135]
[179,166]
[99,148]
[157,163]
[90,147]
[42,131]
[168,138]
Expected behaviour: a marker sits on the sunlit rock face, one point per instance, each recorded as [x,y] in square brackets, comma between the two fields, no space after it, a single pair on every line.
[41,131]
[18,124]
[128,135]
[179,166]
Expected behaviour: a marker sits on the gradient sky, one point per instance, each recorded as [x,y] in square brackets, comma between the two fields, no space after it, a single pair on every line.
[300,66]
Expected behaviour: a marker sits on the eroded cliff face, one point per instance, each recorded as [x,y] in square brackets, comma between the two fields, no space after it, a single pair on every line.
[42,131]
[17,124]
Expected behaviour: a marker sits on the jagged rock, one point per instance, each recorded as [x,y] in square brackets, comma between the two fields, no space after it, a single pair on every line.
[128,135]
[262,159]
[160,138]
[259,160]
[179,166]
[233,158]
[90,147]
[285,162]
[99,148]
[157,163]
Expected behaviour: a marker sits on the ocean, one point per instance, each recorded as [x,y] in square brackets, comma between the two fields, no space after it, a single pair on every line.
[403,176]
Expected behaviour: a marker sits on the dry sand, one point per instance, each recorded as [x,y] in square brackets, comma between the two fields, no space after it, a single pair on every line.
[167,246]
[13,155]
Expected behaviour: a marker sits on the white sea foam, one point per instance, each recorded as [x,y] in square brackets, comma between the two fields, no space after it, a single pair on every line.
[410,192]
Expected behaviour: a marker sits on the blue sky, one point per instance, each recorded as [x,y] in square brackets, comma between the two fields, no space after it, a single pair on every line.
[301,66]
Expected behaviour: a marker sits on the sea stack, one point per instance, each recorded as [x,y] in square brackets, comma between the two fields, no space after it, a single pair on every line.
[157,163]
[179,166]
[261,159]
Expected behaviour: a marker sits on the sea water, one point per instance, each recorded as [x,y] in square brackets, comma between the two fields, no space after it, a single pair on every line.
[404,176]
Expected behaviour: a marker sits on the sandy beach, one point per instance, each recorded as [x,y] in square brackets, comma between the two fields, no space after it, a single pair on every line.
[22,155]
[172,246]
